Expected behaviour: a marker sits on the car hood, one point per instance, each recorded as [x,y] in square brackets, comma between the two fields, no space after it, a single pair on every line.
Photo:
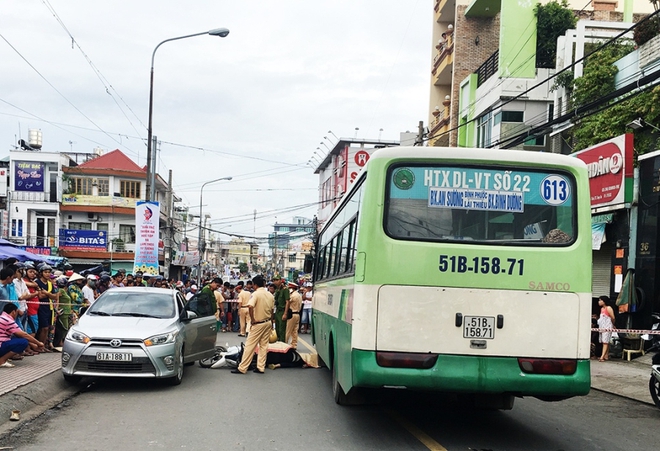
[123,326]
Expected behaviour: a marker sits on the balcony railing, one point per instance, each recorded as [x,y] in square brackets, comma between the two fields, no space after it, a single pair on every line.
[488,68]
[444,50]
[32,196]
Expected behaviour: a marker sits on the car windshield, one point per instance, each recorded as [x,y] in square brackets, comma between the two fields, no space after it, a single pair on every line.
[117,302]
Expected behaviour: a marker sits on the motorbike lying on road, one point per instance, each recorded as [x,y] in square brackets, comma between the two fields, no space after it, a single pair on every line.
[228,357]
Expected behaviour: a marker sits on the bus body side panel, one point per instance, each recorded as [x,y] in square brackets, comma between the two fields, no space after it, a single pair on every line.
[471,374]
[332,328]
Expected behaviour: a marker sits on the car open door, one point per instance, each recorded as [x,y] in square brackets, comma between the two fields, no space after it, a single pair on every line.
[201,327]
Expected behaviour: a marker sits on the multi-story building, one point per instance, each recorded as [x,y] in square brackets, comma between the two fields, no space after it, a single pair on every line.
[33,194]
[99,197]
[484,68]
[339,168]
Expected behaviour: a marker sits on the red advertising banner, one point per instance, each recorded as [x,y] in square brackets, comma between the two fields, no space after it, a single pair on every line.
[610,168]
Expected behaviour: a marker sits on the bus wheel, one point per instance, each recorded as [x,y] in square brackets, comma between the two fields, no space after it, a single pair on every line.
[352,398]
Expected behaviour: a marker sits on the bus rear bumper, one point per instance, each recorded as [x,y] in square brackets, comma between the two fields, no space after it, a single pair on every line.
[471,374]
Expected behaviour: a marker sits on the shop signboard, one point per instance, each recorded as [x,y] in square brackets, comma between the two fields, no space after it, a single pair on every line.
[610,168]
[29,176]
[83,240]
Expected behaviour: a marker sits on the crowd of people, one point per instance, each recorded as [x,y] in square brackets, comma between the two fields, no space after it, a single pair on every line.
[39,304]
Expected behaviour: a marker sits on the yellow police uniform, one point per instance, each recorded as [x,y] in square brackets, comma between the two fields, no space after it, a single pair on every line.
[292,324]
[243,312]
[261,304]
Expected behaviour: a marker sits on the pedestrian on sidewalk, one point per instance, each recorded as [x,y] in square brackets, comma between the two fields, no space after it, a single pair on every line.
[13,341]
[46,314]
[605,321]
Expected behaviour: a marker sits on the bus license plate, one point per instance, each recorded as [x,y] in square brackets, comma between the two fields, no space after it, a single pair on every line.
[114,356]
[479,327]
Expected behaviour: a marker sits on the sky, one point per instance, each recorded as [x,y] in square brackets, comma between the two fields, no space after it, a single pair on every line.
[253,106]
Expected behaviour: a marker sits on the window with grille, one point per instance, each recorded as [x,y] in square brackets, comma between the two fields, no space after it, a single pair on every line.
[128,188]
[82,185]
[127,233]
[80,226]
[104,187]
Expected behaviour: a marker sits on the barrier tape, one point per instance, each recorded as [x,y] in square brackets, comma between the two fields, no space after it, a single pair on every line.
[48,303]
[629,331]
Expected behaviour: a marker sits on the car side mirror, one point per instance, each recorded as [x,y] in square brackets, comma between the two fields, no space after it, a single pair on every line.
[188,315]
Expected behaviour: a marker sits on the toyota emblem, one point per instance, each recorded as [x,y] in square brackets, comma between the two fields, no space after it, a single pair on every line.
[115,342]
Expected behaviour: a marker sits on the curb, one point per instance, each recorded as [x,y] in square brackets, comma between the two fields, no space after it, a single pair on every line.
[32,400]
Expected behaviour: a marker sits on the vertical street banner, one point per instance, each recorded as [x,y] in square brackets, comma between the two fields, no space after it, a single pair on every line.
[147,215]
[28,176]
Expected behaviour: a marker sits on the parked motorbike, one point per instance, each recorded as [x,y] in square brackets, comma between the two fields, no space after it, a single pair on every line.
[653,338]
[654,382]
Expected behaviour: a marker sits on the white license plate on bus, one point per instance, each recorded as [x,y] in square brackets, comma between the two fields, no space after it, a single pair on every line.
[479,327]
[114,356]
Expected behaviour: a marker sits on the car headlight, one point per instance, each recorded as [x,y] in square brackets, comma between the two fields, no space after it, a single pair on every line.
[77,336]
[161,339]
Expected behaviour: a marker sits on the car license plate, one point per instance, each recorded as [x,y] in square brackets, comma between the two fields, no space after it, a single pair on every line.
[479,327]
[114,356]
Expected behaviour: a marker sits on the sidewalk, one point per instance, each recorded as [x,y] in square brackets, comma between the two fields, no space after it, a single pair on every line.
[623,378]
[618,377]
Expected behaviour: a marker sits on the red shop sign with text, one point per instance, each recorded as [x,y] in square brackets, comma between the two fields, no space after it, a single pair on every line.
[610,168]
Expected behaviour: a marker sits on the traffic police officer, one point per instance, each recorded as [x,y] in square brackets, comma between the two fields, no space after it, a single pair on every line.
[292,313]
[260,309]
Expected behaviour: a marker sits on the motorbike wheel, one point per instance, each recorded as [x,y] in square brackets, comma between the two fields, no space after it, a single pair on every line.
[654,388]
[208,362]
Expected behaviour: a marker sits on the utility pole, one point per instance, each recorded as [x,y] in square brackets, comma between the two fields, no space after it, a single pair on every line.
[169,234]
[419,140]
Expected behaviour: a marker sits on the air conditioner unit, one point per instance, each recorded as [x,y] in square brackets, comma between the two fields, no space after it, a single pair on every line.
[92,217]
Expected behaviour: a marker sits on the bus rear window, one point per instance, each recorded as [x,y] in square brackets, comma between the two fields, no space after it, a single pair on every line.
[481,205]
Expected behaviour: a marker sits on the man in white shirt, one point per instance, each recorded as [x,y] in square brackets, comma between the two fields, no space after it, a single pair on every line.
[192,292]
[88,290]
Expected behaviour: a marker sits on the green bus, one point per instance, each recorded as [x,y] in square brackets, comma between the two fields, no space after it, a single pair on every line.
[458,270]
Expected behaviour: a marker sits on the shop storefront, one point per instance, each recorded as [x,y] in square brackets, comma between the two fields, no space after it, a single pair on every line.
[610,166]
[648,270]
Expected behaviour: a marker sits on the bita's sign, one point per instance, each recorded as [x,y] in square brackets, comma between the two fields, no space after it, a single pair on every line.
[610,168]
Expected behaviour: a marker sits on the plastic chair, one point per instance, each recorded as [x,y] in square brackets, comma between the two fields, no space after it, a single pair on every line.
[636,338]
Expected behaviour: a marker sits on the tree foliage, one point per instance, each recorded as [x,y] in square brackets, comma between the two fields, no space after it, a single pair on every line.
[597,81]
[646,30]
[552,21]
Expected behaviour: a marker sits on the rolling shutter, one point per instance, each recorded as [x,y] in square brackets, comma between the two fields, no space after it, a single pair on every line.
[602,270]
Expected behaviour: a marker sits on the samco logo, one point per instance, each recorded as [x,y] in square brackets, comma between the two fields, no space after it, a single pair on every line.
[550,286]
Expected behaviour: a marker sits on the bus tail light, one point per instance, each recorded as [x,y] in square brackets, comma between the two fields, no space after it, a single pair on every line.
[406,360]
[548,366]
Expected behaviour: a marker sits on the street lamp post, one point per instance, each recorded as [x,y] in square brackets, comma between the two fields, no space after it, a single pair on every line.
[150,191]
[199,238]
